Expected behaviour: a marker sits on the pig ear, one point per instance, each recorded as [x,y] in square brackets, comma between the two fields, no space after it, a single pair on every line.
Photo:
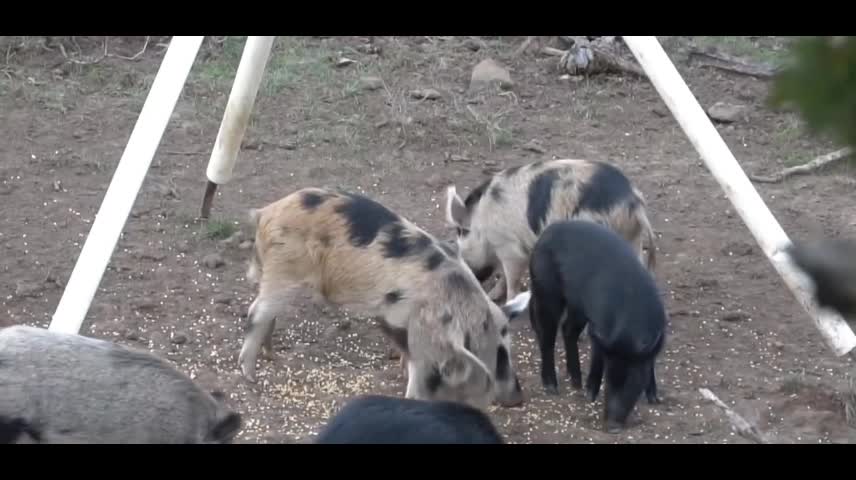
[456,211]
[456,369]
[225,428]
[517,305]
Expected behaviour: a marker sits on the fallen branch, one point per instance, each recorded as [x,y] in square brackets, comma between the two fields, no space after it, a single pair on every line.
[137,55]
[715,59]
[809,167]
[83,62]
[523,46]
[738,423]
[591,57]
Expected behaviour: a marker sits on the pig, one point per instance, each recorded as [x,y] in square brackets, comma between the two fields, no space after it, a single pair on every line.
[65,388]
[350,251]
[584,274]
[378,419]
[831,266]
[499,221]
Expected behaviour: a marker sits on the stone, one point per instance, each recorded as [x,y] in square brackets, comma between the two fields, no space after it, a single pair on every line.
[371,83]
[488,72]
[179,338]
[426,94]
[213,260]
[725,112]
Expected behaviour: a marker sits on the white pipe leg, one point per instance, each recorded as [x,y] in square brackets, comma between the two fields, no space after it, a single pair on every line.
[125,185]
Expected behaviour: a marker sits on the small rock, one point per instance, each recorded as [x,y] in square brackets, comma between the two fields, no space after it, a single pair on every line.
[179,338]
[778,345]
[488,72]
[344,62]
[660,112]
[245,245]
[534,146]
[725,112]
[132,335]
[57,186]
[371,83]
[213,260]
[472,45]
[344,325]
[223,298]
[458,158]
[740,249]
[183,246]
[28,290]
[426,94]
[151,256]
[734,317]
[144,304]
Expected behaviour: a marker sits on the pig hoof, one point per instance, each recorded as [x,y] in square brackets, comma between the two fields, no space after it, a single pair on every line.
[248,371]
[576,384]
[613,427]
[654,400]
[551,389]
[591,396]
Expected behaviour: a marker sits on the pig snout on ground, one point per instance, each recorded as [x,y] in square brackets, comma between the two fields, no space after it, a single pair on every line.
[375,419]
[500,220]
[62,388]
[353,252]
[831,265]
[594,276]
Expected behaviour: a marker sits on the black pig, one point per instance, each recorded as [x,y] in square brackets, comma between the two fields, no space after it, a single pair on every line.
[377,419]
[586,270]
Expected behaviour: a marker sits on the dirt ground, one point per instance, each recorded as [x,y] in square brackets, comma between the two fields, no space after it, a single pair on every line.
[176,285]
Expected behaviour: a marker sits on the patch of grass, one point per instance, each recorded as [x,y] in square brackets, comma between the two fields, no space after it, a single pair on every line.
[293,63]
[744,47]
[220,229]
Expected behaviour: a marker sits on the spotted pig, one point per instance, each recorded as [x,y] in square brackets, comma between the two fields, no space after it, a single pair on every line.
[353,252]
[500,220]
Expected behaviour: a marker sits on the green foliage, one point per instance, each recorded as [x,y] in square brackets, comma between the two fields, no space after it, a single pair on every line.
[219,230]
[821,84]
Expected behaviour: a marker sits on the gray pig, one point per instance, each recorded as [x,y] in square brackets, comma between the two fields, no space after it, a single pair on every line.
[63,388]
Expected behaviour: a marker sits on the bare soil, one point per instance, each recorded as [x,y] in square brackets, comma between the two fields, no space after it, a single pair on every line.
[734,328]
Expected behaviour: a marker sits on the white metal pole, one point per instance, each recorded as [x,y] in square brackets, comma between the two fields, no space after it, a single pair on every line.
[739,190]
[125,185]
[224,155]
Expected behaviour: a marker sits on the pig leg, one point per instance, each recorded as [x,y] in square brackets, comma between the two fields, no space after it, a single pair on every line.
[572,327]
[514,264]
[544,314]
[651,389]
[404,363]
[267,346]
[262,316]
[414,386]
[498,291]
[595,375]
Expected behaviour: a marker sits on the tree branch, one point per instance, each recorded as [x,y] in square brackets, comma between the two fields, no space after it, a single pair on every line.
[809,167]
[738,423]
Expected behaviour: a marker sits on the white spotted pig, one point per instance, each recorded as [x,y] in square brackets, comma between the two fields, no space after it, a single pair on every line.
[500,220]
